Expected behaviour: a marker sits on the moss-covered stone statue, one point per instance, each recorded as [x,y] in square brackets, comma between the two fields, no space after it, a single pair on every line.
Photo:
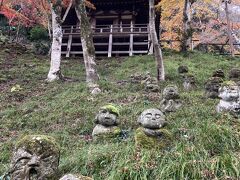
[107,123]
[218,73]
[35,157]
[234,74]
[75,177]
[189,82]
[152,133]
[230,98]
[182,69]
[212,86]
[171,99]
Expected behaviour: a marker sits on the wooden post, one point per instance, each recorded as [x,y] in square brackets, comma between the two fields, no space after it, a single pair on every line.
[69,43]
[131,41]
[110,42]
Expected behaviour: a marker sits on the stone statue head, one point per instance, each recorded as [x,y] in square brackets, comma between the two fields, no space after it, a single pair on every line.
[218,73]
[152,119]
[229,91]
[108,116]
[35,157]
[170,92]
[212,87]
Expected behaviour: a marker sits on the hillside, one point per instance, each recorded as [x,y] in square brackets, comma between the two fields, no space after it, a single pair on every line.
[206,144]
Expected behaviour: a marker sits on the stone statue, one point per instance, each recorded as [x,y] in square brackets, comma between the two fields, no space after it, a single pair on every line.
[75,177]
[35,157]
[234,74]
[171,99]
[230,98]
[189,82]
[182,69]
[219,73]
[107,122]
[152,134]
[212,86]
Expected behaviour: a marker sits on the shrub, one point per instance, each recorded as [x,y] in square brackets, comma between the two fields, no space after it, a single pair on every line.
[38,33]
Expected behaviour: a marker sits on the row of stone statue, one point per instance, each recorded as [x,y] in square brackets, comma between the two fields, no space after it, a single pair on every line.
[36,157]
[215,87]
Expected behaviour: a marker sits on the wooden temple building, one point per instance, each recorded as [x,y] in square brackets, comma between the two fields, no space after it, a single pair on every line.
[120,27]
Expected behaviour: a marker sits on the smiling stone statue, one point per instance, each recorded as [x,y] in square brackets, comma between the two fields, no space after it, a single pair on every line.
[107,122]
[171,99]
[152,133]
[35,157]
[230,98]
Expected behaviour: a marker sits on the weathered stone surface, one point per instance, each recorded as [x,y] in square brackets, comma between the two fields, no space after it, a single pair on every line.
[189,82]
[106,122]
[230,98]
[152,118]
[234,74]
[212,87]
[151,84]
[106,131]
[219,73]
[161,141]
[75,177]
[35,157]
[171,100]
[182,69]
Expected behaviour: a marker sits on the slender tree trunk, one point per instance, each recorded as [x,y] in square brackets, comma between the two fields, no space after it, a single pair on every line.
[55,72]
[156,45]
[229,28]
[92,76]
[186,35]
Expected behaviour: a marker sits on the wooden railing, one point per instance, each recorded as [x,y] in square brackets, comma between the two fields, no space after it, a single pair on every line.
[110,32]
[137,29]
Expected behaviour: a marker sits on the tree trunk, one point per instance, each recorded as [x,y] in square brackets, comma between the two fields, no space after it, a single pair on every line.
[55,72]
[156,45]
[187,34]
[88,47]
[229,29]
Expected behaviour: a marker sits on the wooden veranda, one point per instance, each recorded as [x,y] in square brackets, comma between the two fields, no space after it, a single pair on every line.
[109,40]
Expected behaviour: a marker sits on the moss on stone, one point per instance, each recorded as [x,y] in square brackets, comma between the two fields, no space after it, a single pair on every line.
[111,108]
[229,83]
[39,144]
[114,132]
[149,142]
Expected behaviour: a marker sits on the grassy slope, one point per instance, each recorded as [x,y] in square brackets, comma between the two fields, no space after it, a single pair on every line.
[207,145]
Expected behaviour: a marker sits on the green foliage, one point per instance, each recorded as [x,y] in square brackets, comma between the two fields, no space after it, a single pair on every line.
[111,108]
[206,145]
[38,33]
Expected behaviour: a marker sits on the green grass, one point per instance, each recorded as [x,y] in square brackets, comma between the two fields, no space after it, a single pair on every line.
[206,144]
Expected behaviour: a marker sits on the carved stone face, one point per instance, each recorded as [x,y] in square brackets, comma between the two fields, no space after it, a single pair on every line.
[106,118]
[212,86]
[35,158]
[170,92]
[152,119]
[229,93]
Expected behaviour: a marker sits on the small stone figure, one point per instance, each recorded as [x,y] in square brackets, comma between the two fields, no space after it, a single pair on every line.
[182,69]
[35,157]
[219,73]
[152,134]
[234,74]
[189,82]
[136,78]
[230,98]
[171,99]
[107,122]
[75,177]
[151,84]
[212,86]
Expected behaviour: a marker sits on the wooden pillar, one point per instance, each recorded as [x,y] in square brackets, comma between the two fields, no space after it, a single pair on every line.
[110,42]
[131,41]
[69,45]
